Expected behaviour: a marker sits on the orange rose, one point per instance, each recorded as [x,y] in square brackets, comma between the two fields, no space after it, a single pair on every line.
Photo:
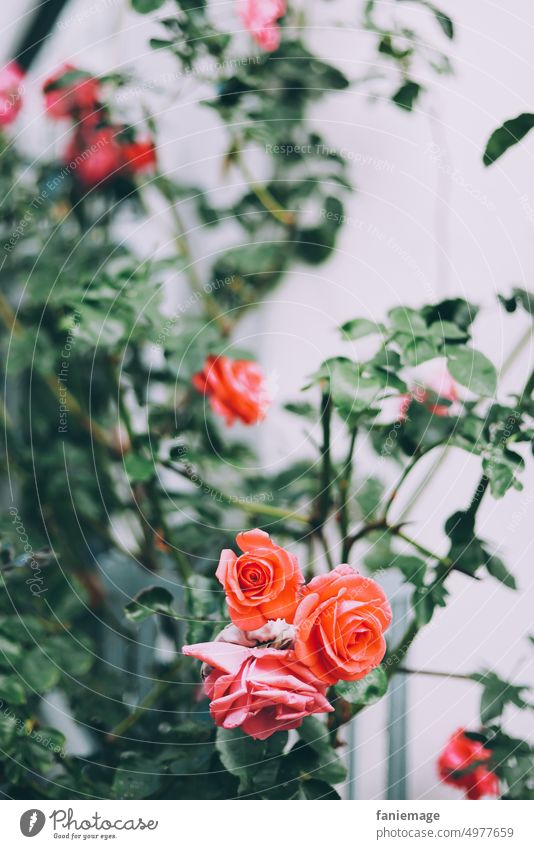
[340,624]
[236,389]
[261,584]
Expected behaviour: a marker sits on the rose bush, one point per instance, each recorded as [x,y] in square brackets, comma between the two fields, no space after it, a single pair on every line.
[125,476]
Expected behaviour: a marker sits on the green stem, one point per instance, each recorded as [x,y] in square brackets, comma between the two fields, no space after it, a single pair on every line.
[267,200]
[426,552]
[326,467]
[434,673]
[150,699]
[344,486]
[395,490]
[251,508]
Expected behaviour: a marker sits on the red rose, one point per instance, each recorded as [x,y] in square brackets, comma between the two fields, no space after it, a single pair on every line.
[71,93]
[94,154]
[261,584]
[461,754]
[259,690]
[339,625]
[11,77]
[236,389]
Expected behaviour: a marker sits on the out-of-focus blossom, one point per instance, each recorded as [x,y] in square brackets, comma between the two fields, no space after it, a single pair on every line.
[11,90]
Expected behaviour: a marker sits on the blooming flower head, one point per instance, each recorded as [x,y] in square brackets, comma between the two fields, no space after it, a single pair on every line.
[11,77]
[71,93]
[97,153]
[463,764]
[259,690]
[261,584]
[340,624]
[236,389]
[260,18]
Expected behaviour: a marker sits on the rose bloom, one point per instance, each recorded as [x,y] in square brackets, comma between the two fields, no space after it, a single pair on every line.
[99,153]
[95,154]
[11,77]
[460,754]
[339,625]
[433,379]
[262,583]
[64,99]
[260,17]
[259,690]
[236,389]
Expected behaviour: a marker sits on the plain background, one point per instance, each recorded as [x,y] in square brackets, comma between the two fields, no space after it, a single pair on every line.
[427,221]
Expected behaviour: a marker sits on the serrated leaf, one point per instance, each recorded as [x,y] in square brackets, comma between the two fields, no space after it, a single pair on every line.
[473,370]
[148,602]
[367,690]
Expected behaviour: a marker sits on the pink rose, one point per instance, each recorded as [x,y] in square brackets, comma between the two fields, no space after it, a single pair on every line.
[71,92]
[11,77]
[259,690]
[260,18]
[261,584]
[464,764]
[433,378]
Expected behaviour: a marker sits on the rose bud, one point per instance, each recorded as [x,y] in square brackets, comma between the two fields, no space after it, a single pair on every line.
[236,389]
[262,583]
[259,690]
[260,18]
[463,764]
[340,624]
[71,92]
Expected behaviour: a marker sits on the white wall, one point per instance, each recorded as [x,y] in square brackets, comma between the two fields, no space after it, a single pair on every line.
[421,228]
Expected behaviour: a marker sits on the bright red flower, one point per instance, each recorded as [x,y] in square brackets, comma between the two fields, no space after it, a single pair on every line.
[236,389]
[461,754]
[94,155]
[139,155]
[11,89]
[340,624]
[261,584]
[259,690]
[71,92]
[260,18]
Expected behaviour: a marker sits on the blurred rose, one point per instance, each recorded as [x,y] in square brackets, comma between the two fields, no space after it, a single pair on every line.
[236,389]
[71,93]
[261,584]
[462,754]
[11,89]
[260,18]
[340,624]
[94,154]
[260,691]
[432,382]
[139,155]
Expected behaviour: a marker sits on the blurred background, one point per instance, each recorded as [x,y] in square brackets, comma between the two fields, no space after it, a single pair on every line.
[427,221]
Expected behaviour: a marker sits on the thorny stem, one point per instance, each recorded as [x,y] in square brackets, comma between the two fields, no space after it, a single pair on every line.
[344,486]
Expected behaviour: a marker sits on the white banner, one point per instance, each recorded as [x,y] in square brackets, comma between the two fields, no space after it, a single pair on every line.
[264,825]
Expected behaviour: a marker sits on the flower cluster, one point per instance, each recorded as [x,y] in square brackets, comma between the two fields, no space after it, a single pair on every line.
[463,763]
[288,641]
[101,149]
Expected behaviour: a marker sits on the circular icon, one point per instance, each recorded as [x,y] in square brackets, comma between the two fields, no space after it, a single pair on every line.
[32,822]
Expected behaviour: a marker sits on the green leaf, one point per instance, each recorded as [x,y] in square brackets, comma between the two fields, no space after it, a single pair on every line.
[39,672]
[9,650]
[406,96]
[139,469]
[497,569]
[11,690]
[472,370]
[243,756]
[8,725]
[150,601]
[501,467]
[367,690]
[497,694]
[146,6]
[328,766]
[360,327]
[510,133]
[413,568]
[136,778]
